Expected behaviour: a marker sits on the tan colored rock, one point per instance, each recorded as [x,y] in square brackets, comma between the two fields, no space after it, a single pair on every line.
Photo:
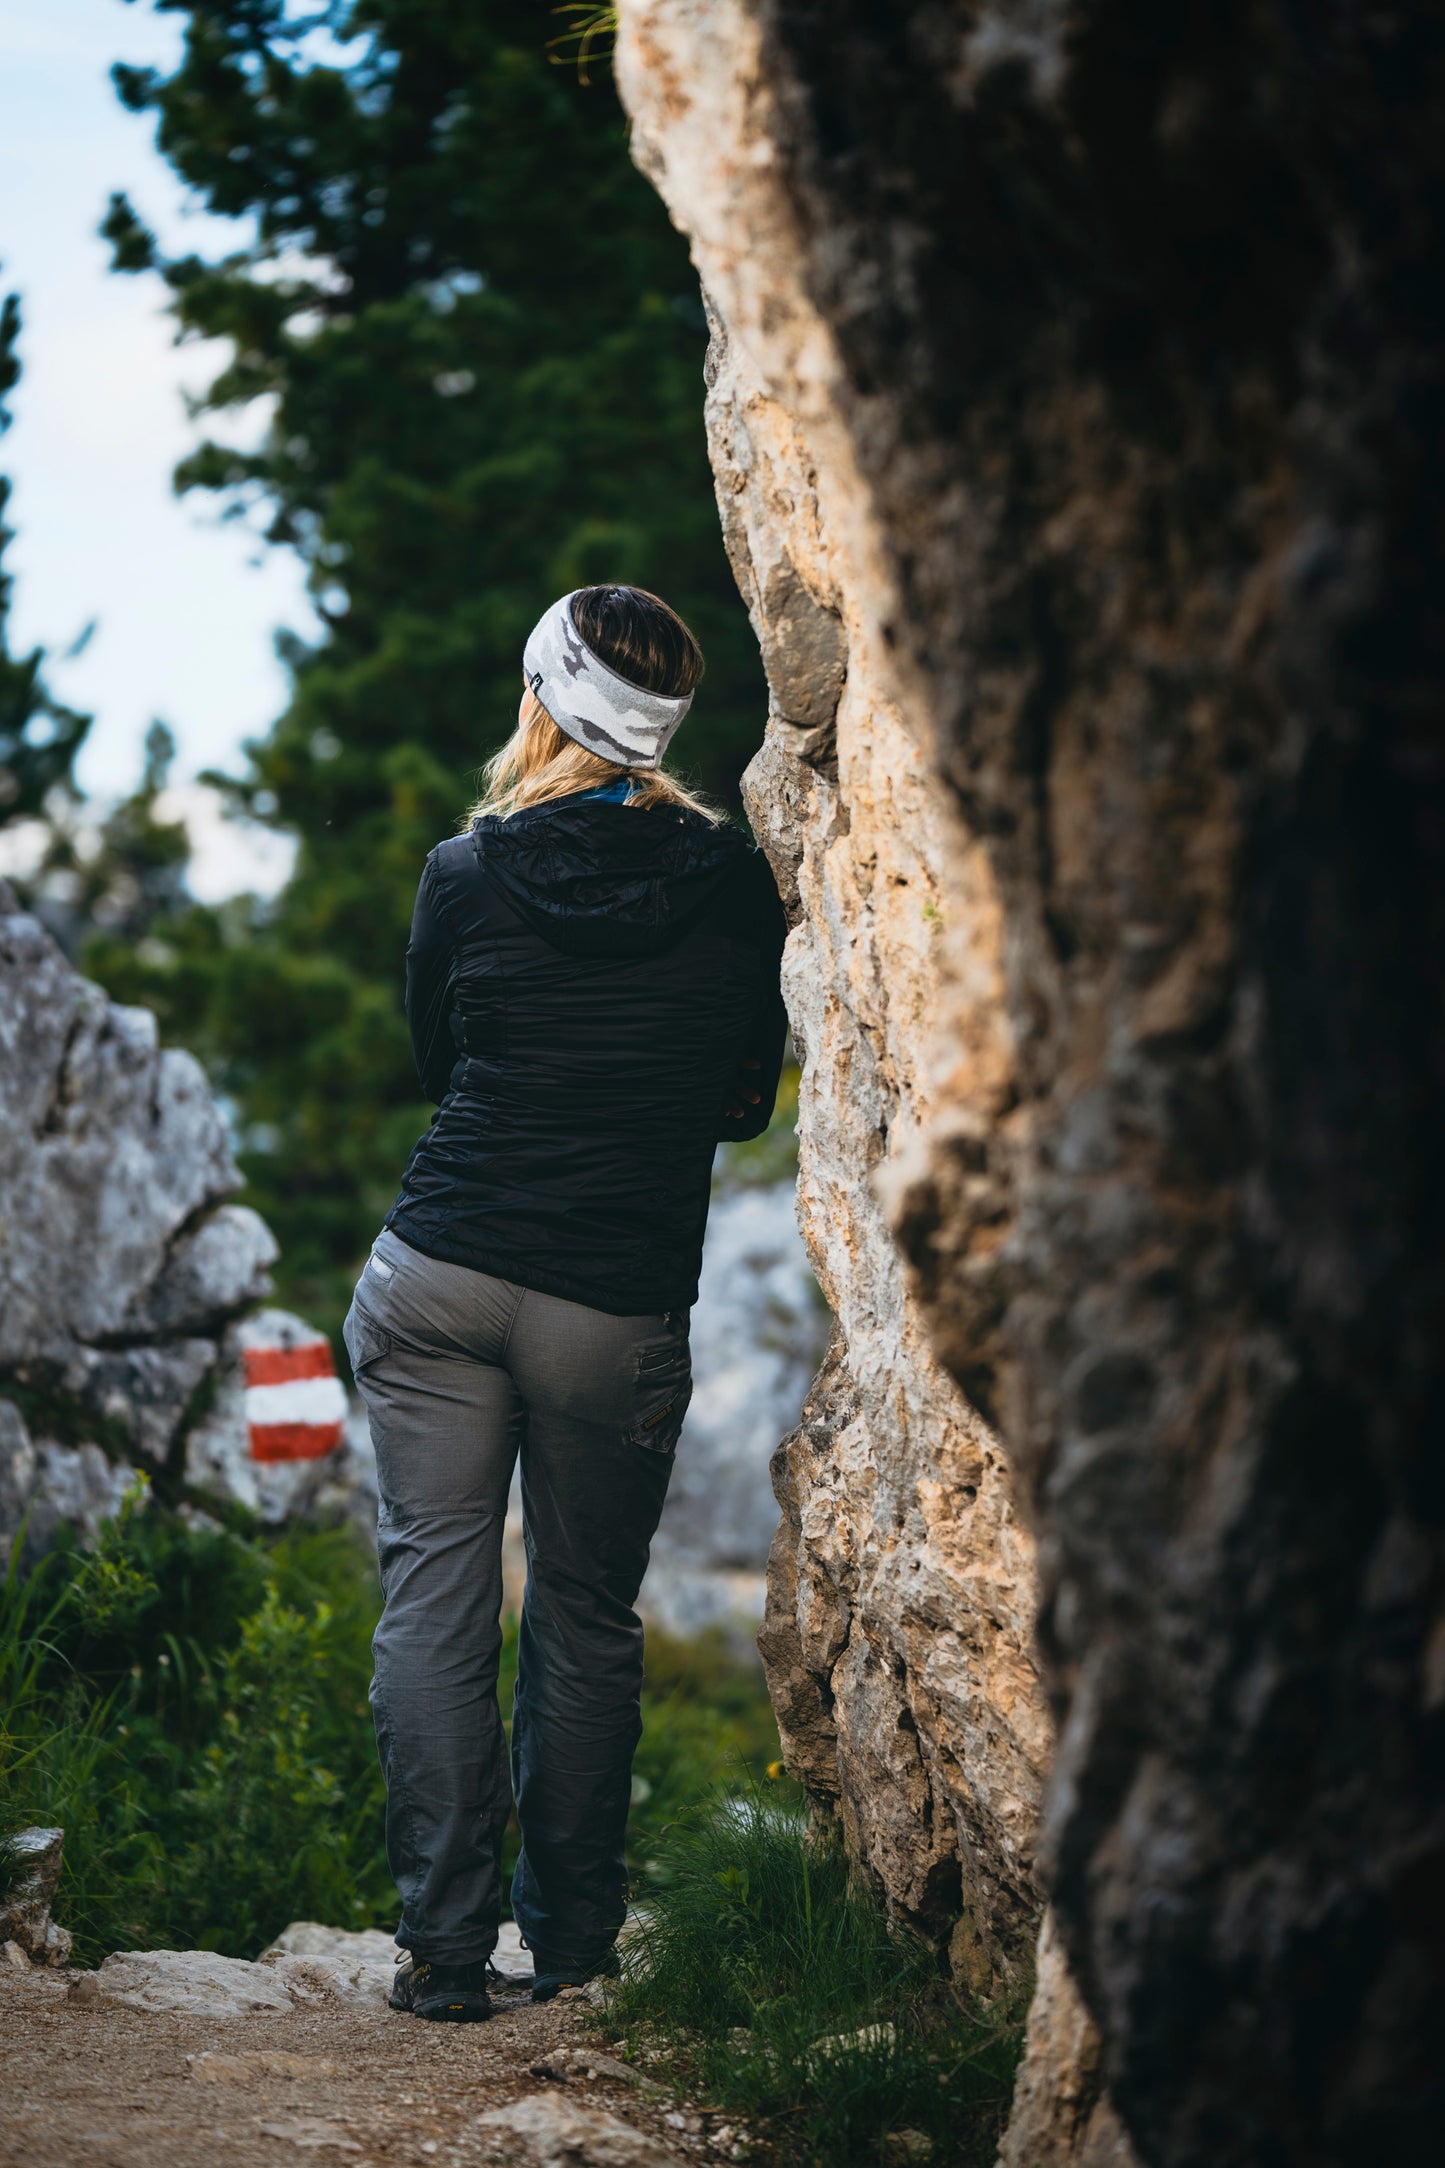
[560,2133]
[251,2066]
[1109,510]
[1062,2116]
[898,1639]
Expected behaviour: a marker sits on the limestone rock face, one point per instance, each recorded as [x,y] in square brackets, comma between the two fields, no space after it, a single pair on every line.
[123,1269]
[108,1148]
[1083,365]
[899,1630]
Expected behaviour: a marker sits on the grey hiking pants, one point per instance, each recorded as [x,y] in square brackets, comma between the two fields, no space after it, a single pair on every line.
[460,1373]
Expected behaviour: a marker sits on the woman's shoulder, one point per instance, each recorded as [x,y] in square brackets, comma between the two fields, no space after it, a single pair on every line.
[452,869]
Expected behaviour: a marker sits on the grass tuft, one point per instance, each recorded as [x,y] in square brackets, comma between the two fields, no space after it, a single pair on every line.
[788,1998]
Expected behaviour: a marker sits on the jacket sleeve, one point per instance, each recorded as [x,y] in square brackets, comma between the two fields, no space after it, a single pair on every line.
[766,924]
[430,976]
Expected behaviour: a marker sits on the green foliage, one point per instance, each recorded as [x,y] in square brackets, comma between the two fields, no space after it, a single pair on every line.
[788,1997]
[190,1705]
[39,738]
[484,342]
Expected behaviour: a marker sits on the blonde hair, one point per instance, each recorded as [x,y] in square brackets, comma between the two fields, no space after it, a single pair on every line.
[539,762]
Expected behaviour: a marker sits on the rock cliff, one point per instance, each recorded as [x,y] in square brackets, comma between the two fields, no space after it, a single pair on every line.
[1076,406]
[124,1273]
[899,1631]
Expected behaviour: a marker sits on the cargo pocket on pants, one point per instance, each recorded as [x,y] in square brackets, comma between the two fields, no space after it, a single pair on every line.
[366,1341]
[664,1388]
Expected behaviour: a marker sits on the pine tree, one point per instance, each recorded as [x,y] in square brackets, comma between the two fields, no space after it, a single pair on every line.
[483,342]
[39,738]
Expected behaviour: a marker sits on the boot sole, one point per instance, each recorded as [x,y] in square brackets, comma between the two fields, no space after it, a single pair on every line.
[463,2009]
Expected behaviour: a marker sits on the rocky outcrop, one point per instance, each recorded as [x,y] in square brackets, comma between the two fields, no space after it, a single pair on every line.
[124,1269]
[899,1632]
[1077,415]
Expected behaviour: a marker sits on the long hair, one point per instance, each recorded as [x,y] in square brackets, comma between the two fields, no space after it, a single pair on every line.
[637,635]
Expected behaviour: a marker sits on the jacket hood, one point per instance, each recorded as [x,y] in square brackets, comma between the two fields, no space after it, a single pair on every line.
[596,878]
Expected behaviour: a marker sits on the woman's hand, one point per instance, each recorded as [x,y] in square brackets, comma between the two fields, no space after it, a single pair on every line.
[740,1092]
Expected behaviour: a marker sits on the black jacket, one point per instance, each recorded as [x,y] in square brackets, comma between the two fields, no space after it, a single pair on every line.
[584,981]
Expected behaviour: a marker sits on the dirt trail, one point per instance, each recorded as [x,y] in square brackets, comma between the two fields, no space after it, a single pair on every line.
[123,2088]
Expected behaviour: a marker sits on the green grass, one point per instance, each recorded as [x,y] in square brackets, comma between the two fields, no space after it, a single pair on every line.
[786,1996]
[190,1706]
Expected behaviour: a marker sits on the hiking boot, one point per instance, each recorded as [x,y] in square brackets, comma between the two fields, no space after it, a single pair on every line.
[449,1994]
[552,1978]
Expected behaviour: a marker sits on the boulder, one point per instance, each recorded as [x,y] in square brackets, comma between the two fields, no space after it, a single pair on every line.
[210,1273]
[125,1275]
[190,1983]
[559,2133]
[25,1923]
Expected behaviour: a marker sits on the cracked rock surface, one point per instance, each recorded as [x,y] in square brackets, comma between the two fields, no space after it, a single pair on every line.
[124,1267]
[1084,361]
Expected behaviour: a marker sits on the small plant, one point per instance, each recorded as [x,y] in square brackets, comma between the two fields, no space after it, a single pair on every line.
[789,1998]
[593,31]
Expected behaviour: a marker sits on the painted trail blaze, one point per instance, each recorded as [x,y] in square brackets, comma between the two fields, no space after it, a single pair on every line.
[295,1407]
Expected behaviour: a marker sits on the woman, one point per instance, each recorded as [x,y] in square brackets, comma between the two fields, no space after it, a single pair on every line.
[592,990]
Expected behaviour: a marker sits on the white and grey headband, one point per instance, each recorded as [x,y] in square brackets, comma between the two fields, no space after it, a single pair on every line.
[593,704]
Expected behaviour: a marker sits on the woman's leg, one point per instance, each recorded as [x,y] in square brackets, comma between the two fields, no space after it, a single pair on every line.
[424,1338]
[605,1397]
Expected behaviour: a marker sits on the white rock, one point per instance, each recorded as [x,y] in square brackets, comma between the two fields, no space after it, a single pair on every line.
[193,1983]
[509,1956]
[120,1262]
[867,2040]
[360,1983]
[139,1396]
[218,1451]
[210,1273]
[333,1964]
[308,1938]
[17,1469]
[108,1146]
[75,1484]
[25,1922]
[559,2133]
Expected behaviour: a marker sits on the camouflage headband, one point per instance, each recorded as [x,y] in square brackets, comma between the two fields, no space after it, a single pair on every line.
[593,704]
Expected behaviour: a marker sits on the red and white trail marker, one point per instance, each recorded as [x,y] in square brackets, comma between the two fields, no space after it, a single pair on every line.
[295,1406]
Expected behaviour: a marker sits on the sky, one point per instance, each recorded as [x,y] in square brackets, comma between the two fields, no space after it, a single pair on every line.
[185,609]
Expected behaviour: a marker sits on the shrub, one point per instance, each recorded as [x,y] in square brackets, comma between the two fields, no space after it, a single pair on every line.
[189,1706]
[789,1997]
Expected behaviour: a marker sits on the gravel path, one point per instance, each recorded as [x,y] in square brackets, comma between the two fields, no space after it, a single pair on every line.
[98,2086]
